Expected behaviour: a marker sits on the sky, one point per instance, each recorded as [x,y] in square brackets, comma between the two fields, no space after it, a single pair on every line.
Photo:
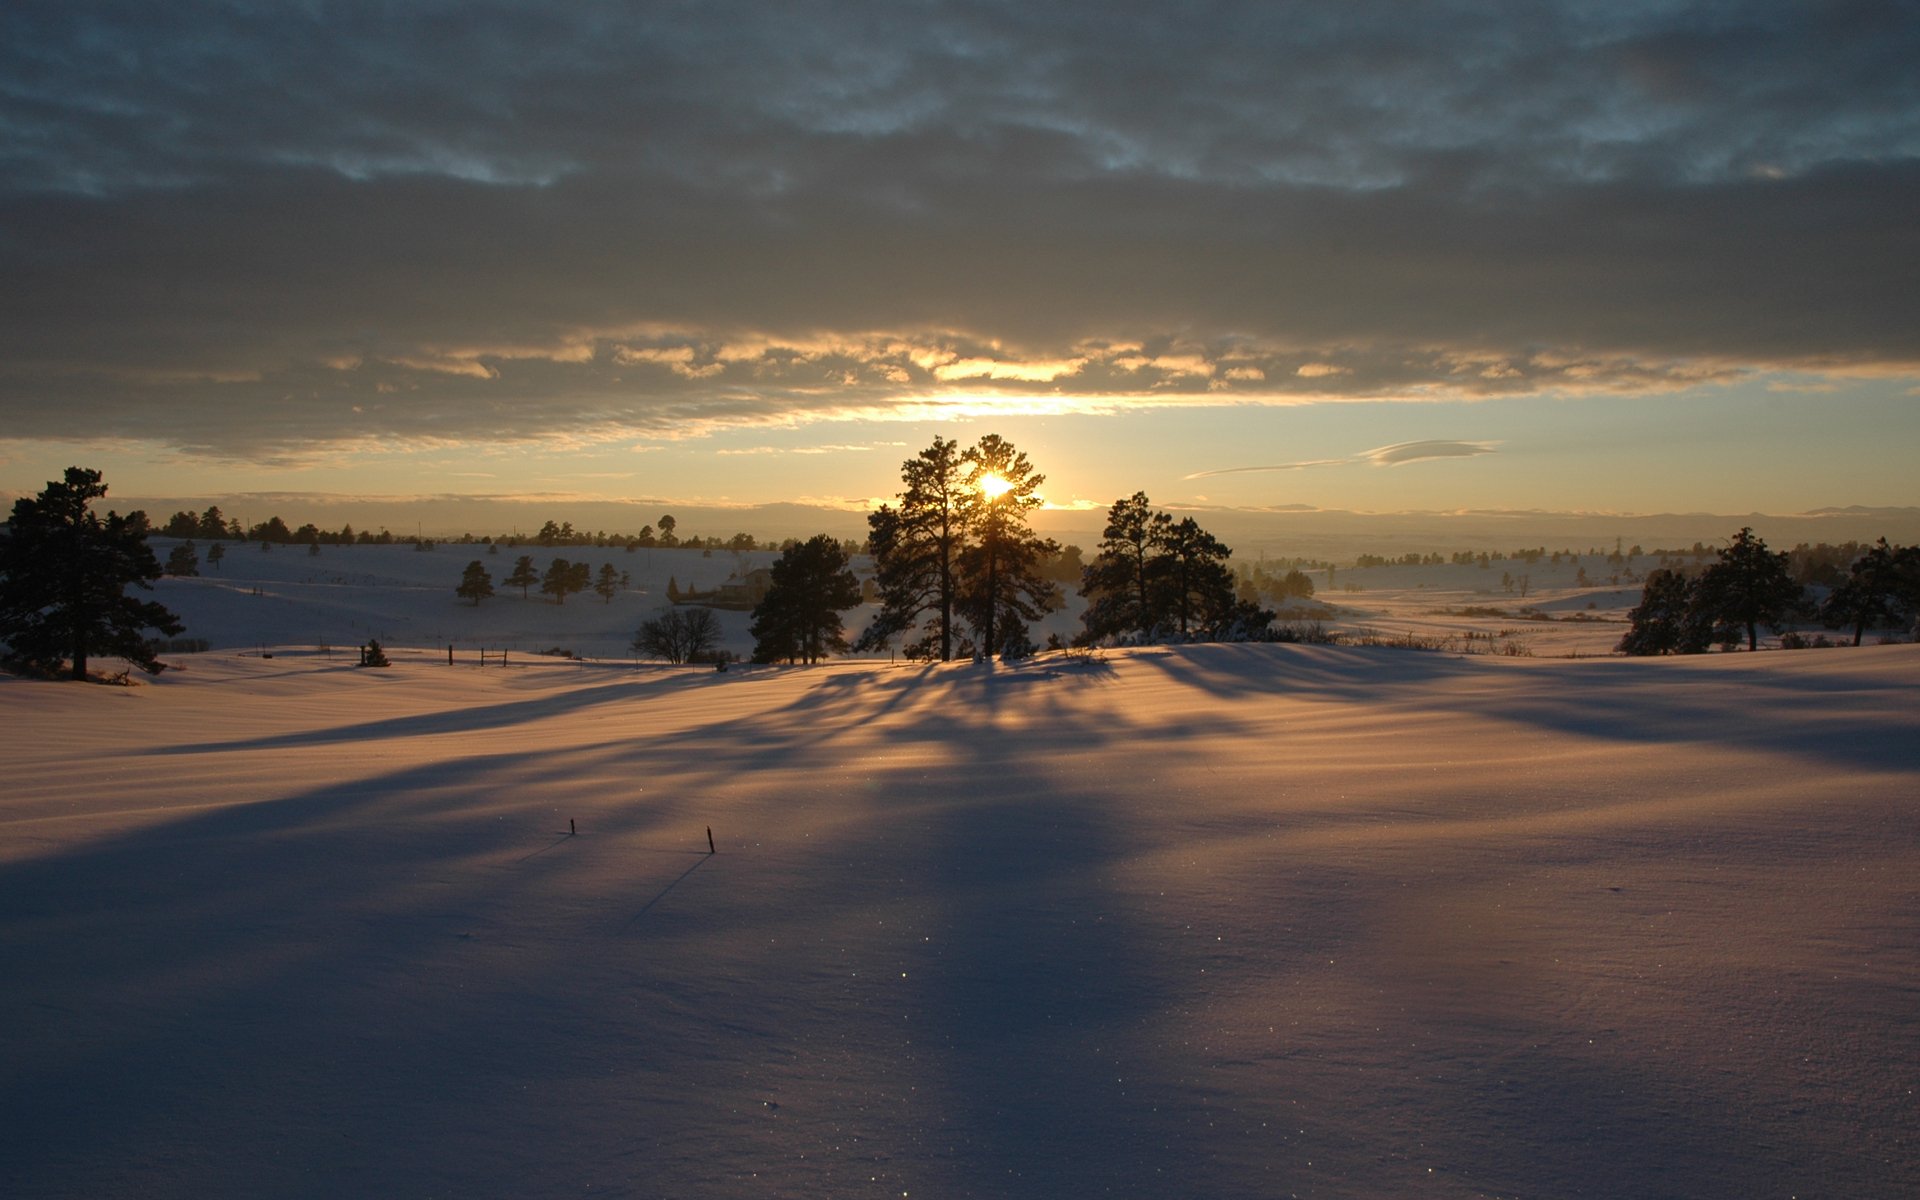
[1635,257]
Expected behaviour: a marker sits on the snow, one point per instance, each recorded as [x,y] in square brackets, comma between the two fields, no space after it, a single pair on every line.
[1225,921]
[344,595]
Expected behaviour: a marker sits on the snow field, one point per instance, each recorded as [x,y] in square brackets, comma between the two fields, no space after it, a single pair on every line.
[1209,921]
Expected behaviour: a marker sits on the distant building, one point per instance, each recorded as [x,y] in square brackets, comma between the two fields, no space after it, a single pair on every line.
[737,594]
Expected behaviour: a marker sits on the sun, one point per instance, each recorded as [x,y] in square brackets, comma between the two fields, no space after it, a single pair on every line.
[993,486]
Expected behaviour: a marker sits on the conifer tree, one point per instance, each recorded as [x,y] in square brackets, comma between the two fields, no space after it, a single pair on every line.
[799,618]
[1748,587]
[1882,588]
[608,583]
[916,549]
[1001,585]
[1119,582]
[563,578]
[524,574]
[1664,622]
[215,553]
[475,585]
[182,560]
[63,575]
[1194,583]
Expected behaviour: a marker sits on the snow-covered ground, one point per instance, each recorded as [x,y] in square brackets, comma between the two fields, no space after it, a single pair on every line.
[400,596]
[346,594]
[1216,921]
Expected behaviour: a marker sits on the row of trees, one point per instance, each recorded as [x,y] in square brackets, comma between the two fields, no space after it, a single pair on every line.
[215,526]
[1749,586]
[560,580]
[959,571]
[956,550]
[1155,579]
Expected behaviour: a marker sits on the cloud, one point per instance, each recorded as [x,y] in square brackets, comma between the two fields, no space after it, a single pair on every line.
[302,227]
[1402,453]
[1397,455]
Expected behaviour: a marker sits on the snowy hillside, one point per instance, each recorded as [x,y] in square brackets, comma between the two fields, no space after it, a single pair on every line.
[404,597]
[344,595]
[1229,921]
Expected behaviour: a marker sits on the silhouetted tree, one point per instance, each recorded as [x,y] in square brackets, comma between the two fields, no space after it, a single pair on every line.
[678,634]
[608,583]
[183,560]
[1001,585]
[372,655]
[1881,588]
[1194,584]
[475,584]
[1748,587]
[524,574]
[213,525]
[1154,576]
[63,574]
[799,617]
[916,549]
[215,553]
[1297,583]
[564,578]
[666,531]
[1118,583]
[1665,621]
[273,529]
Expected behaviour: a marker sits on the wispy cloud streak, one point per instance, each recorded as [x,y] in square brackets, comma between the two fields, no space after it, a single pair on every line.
[1397,455]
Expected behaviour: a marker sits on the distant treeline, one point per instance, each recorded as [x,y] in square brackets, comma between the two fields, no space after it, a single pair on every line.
[1818,563]
[214,525]
[1808,563]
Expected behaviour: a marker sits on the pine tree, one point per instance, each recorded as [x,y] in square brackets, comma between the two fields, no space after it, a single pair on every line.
[63,573]
[475,585]
[563,578]
[1883,588]
[1118,583]
[1664,621]
[182,560]
[1001,585]
[524,574]
[608,584]
[215,553]
[916,549]
[1194,583]
[799,618]
[1748,587]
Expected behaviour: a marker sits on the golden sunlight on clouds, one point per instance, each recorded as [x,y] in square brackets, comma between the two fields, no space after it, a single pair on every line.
[1044,371]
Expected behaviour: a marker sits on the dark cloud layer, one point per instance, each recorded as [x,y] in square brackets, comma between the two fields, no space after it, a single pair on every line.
[230,226]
